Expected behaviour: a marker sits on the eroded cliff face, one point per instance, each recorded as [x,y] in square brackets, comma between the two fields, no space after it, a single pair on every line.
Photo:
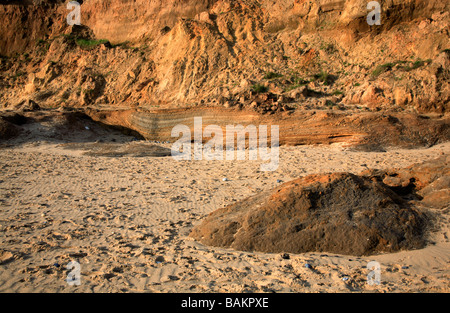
[264,56]
[118,21]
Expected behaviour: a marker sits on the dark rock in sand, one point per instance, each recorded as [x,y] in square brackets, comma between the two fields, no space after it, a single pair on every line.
[338,213]
[14,118]
[8,130]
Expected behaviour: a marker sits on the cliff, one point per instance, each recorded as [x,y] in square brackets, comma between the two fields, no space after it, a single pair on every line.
[258,56]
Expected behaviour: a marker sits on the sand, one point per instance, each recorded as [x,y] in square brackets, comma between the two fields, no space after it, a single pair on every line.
[126,220]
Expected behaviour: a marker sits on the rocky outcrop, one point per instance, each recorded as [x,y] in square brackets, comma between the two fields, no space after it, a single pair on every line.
[338,213]
[428,182]
[367,131]
[374,212]
[363,131]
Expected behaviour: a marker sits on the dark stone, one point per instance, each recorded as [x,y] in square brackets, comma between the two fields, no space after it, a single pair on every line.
[338,213]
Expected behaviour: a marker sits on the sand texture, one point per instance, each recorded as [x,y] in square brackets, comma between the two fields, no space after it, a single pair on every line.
[127,220]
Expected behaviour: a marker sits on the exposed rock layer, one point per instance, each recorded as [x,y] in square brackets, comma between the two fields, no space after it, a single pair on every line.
[367,130]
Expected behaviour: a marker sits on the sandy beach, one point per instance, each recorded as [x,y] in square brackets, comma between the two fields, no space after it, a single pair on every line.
[127,220]
[94,94]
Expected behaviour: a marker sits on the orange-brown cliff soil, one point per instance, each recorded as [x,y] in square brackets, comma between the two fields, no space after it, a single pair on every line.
[185,53]
[289,62]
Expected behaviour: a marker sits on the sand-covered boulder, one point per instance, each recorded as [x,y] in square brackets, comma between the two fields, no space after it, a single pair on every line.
[337,213]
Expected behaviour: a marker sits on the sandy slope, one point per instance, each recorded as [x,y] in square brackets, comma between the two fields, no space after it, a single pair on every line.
[116,216]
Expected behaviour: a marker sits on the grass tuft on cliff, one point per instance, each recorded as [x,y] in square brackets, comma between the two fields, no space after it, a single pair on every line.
[87,43]
[258,88]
